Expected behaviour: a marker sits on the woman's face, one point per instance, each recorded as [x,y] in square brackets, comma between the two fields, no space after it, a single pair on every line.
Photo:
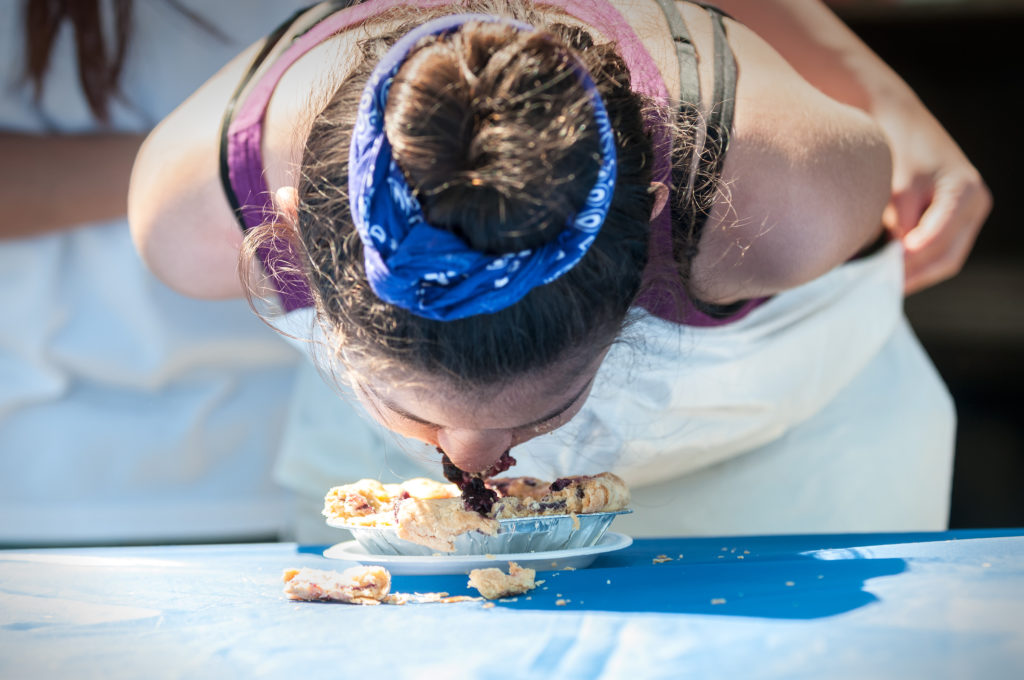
[476,428]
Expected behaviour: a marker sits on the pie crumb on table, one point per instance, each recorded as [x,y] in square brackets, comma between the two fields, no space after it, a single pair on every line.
[493,583]
[356,585]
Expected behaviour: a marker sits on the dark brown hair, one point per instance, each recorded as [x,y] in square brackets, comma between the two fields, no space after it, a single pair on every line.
[99,66]
[100,60]
[496,136]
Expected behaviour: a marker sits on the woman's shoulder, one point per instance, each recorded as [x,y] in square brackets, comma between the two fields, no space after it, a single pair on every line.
[805,177]
[804,182]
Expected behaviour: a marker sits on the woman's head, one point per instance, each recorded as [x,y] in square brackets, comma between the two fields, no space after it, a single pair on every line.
[500,148]
[484,260]
[495,134]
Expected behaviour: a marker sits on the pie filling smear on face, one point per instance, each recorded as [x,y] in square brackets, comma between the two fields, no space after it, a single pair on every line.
[433,513]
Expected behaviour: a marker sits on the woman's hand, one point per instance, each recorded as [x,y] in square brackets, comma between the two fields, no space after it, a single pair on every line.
[939,200]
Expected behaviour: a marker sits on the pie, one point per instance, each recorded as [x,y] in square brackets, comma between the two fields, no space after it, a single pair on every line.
[433,513]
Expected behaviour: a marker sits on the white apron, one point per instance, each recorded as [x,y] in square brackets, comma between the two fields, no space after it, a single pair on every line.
[817,412]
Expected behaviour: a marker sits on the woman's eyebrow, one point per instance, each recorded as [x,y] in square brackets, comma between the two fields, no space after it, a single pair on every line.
[554,414]
[560,411]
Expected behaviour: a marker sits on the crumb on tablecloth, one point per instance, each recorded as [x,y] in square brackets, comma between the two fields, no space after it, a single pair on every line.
[356,585]
[427,598]
[367,585]
[493,583]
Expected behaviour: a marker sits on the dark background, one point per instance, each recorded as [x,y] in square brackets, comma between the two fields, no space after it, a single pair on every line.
[964,61]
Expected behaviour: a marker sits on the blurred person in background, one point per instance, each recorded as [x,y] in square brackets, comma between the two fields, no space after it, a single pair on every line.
[128,413]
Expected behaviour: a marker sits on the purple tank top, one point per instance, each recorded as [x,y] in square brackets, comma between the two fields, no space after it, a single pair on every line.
[245,157]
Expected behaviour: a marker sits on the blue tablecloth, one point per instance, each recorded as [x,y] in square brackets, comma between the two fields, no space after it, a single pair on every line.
[938,605]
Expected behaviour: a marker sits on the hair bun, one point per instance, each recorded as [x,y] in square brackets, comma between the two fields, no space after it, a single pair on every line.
[495,134]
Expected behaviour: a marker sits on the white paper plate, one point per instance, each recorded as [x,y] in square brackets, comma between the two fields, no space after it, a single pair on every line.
[551,560]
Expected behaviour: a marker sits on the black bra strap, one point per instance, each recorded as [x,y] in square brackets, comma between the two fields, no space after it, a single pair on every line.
[724,102]
[719,119]
[689,77]
[691,214]
[269,44]
[229,113]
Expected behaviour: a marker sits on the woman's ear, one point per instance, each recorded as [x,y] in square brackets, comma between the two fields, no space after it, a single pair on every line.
[286,201]
[660,191]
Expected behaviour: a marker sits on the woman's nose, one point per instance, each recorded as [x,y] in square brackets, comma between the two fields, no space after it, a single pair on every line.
[474,450]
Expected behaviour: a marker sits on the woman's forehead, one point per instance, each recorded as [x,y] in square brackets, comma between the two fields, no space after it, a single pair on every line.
[510,404]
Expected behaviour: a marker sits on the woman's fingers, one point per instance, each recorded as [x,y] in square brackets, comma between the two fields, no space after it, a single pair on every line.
[937,247]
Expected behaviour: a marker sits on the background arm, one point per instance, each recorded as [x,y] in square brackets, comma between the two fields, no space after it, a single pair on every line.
[55,182]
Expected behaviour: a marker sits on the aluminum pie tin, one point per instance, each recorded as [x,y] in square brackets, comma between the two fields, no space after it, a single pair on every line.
[515,535]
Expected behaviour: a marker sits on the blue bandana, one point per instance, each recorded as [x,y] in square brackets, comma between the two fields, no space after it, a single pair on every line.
[432,272]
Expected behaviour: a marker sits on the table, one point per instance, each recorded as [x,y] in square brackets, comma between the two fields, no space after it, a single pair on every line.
[923,605]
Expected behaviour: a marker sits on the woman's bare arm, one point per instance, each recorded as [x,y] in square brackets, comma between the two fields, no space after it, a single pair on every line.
[54,182]
[181,222]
